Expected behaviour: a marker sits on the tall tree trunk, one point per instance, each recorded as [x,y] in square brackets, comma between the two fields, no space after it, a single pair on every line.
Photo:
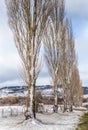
[55,107]
[71,108]
[65,100]
[27,112]
[34,105]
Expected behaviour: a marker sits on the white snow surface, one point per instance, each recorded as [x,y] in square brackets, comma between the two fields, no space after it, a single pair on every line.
[85,96]
[46,121]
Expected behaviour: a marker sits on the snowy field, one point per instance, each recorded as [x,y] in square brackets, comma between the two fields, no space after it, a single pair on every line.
[85,96]
[11,118]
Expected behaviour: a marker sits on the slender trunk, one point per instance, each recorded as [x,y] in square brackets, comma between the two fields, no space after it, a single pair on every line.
[65,100]
[71,104]
[34,105]
[31,102]
[55,107]
[28,99]
[71,108]
[55,98]
[27,106]
[65,106]
[34,71]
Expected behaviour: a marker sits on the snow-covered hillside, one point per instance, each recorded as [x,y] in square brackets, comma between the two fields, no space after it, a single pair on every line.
[22,91]
[13,91]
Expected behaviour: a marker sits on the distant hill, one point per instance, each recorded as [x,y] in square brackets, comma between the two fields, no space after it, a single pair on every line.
[14,88]
[44,87]
[22,89]
[85,90]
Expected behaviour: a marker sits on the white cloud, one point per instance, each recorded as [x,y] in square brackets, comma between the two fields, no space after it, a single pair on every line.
[77,7]
[12,83]
[78,12]
[9,59]
[43,81]
[82,42]
[82,50]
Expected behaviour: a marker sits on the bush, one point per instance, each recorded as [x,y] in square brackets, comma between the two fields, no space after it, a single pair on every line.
[83,125]
[38,100]
[9,100]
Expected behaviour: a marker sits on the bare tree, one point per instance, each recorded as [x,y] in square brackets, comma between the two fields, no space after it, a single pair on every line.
[60,51]
[76,91]
[52,41]
[27,19]
[68,59]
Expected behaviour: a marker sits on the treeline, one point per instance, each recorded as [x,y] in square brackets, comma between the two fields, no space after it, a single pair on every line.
[34,22]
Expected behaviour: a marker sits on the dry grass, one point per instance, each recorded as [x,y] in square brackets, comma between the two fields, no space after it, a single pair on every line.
[83,125]
[12,100]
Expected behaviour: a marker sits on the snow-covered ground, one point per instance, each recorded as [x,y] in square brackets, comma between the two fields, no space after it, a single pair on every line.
[85,96]
[11,117]
[84,104]
[46,121]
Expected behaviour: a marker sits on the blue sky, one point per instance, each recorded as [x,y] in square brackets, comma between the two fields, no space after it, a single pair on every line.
[77,10]
[10,64]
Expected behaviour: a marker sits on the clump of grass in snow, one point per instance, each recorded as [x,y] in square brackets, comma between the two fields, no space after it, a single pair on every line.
[83,125]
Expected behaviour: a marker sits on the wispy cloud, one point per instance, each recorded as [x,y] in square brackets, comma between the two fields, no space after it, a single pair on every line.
[77,8]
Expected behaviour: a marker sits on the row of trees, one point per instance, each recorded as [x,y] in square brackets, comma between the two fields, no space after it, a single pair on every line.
[36,21]
[60,56]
